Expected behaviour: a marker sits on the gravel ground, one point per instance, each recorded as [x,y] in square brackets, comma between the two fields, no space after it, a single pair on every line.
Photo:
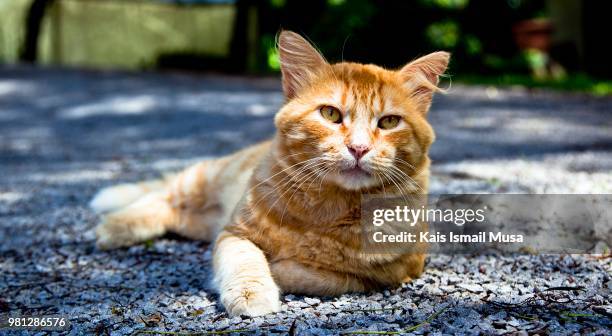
[64,134]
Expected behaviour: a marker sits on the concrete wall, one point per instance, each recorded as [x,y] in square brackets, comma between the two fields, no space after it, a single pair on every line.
[12,28]
[118,33]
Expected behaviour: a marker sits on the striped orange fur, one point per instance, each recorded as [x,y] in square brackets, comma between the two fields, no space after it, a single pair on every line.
[285,214]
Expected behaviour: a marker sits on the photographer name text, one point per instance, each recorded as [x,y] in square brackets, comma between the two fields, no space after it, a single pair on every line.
[439,237]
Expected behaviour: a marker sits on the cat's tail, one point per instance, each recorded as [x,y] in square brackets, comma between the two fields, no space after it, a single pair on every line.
[121,195]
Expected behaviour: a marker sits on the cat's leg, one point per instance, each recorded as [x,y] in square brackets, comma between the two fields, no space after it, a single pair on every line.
[147,218]
[180,206]
[294,277]
[195,203]
[243,277]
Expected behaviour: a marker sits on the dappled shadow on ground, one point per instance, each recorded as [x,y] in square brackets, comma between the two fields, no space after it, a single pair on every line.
[64,134]
[57,115]
[98,116]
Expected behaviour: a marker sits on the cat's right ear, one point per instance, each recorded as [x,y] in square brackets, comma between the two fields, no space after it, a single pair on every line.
[422,75]
[300,62]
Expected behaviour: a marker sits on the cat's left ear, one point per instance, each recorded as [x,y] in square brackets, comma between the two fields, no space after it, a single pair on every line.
[422,75]
[300,62]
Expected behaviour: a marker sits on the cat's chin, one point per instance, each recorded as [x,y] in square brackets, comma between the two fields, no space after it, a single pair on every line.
[355,179]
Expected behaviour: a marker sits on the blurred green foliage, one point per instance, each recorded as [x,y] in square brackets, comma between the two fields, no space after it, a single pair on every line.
[151,33]
[444,34]
[391,32]
[473,46]
[447,4]
[269,44]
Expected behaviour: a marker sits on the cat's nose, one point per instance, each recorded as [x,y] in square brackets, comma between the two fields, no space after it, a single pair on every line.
[358,151]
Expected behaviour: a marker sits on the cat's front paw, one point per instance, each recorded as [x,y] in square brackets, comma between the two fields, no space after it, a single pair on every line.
[252,299]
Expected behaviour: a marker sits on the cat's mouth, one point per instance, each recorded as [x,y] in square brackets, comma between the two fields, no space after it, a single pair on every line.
[356,172]
[355,178]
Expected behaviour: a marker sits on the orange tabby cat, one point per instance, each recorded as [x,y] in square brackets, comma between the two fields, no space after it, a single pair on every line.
[285,214]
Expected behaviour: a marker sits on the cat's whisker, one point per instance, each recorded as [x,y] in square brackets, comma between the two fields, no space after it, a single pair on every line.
[303,180]
[300,178]
[287,179]
[411,200]
[287,170]
[401,180]
[292,175]
[414,170]
[392,180]
[329,170]
[321,177]
[306,178]
[382,184]
[282,158]
[280,172]
[413,182]
[412,167]
[405,162]
[389,164]
[394,172]
[275,188]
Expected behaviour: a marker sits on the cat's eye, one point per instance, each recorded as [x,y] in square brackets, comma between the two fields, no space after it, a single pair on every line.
[331,113]
[389,122]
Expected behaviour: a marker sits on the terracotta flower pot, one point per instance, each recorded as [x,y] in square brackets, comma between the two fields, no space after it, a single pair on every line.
[533,34]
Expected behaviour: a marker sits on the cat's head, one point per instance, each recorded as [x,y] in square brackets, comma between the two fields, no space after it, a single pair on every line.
[357,126]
